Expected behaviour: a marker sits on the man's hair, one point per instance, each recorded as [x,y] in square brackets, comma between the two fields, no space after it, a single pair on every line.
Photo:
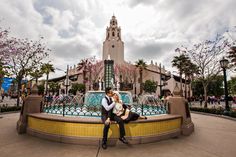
[107,90]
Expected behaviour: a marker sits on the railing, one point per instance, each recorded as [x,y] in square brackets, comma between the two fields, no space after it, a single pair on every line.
[75,107]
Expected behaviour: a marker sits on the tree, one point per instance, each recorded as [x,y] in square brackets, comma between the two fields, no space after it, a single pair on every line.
[180,63]
[96,69]
[206,56]
[4,41]
[214,88]
[232,56]
[40,89]
[3,72]
[189,70]
[77,87]
[46,69]
[150,86]
[141,65]
[232,86]
[53,87]
[25,55]
[36,74]
[4,54]
[86,65]
[126,71]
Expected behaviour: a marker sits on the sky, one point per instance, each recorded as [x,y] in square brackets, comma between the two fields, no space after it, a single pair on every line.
[150,29]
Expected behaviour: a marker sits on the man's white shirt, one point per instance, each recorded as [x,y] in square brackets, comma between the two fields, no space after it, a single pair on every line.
[105,104]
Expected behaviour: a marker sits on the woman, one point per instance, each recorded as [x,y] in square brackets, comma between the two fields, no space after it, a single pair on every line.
[122,110]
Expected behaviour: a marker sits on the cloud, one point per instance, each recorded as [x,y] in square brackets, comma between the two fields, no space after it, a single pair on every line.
[133,3]
[151,29]
[150,49]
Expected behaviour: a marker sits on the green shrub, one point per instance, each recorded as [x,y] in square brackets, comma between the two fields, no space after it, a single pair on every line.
[10,108]
[218,111]
[41,89]
[150,86]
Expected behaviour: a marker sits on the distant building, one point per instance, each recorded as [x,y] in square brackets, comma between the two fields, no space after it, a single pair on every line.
[126,74]
[113,46]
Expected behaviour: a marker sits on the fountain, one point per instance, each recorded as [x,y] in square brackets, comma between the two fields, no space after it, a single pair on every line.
[76,121]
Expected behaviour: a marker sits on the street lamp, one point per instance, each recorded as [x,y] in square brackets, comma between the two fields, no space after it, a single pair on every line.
[67,82]
[224,64]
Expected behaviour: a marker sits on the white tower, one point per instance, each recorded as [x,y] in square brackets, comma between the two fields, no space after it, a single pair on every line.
[113,45]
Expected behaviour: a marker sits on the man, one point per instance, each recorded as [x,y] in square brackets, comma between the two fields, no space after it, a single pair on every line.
[107,116]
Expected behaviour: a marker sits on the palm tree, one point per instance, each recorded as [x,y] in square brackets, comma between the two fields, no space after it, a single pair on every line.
[141,65]
[180,63]
[232,55]
[47,68]
[36,74]
[189,71]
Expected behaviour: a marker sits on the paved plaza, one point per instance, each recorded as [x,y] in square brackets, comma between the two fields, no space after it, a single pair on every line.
[213,137]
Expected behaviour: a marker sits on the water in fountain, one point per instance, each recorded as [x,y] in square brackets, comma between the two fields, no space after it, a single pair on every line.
[75,106]
[91,106]
[152,105]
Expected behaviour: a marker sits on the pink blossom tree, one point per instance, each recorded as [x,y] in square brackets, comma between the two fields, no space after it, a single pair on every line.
[4,54]
[96,70]
[92,67]
[24,56]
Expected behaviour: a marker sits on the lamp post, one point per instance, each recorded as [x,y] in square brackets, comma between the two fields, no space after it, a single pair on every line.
[224,64]
[67,83]
[160,85]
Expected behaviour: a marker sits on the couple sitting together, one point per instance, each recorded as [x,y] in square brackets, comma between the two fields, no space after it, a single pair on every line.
[114,109]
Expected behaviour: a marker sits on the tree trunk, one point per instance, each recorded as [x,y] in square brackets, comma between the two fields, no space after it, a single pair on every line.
[189,87]
[18,91]
[84,79]
[141,81]
[36,79]
[205,95]
[185,87]
[46,89]
[181,84]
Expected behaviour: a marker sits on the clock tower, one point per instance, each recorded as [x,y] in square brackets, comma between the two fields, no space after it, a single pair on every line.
[113,46]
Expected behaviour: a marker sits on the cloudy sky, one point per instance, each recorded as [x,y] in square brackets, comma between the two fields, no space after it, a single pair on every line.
[151,29]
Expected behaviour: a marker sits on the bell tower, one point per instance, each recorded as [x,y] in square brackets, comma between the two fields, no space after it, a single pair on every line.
[113,46]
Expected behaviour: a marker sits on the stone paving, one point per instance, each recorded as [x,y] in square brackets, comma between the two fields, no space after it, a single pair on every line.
[213,137]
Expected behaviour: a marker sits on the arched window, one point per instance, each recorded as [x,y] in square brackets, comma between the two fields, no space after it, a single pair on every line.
[113,34]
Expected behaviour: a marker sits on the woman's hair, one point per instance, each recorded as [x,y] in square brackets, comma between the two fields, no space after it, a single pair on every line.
[117,93]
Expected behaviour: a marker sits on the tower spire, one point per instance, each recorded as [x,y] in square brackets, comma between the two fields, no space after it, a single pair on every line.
[113,45]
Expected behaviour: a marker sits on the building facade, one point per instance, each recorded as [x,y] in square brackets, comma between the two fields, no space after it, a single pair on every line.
[113,46]
[126,74]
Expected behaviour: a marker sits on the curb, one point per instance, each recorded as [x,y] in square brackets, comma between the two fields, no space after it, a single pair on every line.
[214,115]
[10,112]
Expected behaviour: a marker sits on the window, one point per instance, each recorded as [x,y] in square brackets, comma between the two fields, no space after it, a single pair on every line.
[113,46]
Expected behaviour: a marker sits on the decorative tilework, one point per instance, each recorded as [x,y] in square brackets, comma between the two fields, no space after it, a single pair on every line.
[95,130]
